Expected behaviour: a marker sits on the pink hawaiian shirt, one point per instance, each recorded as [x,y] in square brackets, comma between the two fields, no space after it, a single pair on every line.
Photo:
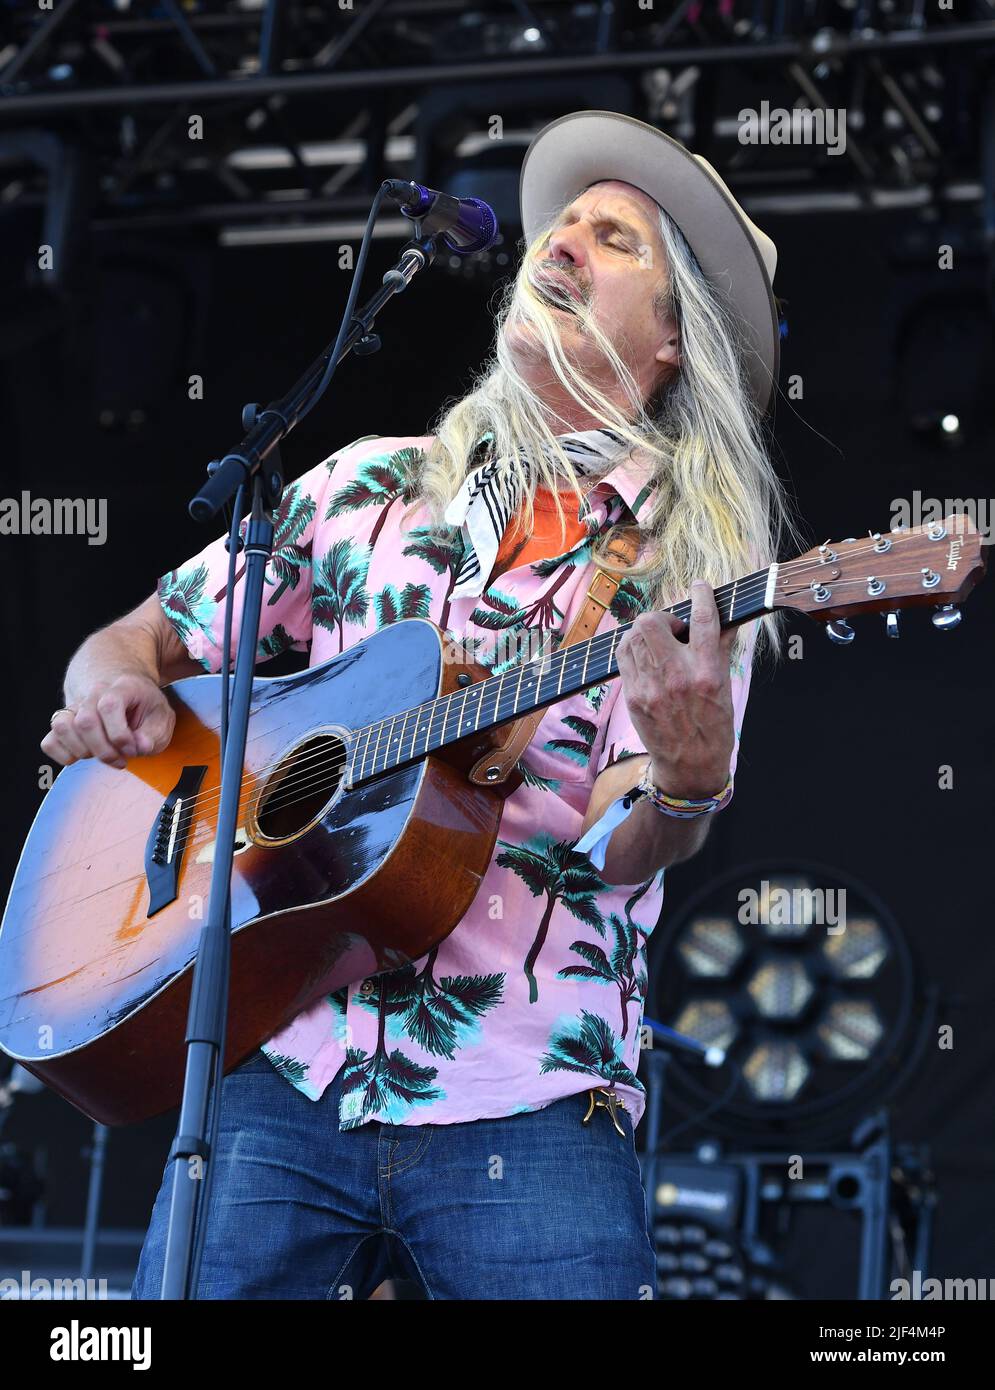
[538,993]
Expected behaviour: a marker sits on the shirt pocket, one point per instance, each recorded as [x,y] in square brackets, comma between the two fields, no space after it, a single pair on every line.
[564,745]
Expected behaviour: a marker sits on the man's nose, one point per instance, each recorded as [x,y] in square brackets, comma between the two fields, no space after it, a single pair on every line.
[569,244]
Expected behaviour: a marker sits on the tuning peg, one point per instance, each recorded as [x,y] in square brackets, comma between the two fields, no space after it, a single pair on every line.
[840,632]
[891,624]
[946,617]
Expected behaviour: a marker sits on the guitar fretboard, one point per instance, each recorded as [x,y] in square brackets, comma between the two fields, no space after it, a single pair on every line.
[411,734]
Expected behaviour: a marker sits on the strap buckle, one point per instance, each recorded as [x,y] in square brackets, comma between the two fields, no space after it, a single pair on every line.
[602,574]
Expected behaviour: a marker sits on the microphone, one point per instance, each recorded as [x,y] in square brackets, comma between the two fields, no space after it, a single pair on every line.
[467,225]
[680,1042]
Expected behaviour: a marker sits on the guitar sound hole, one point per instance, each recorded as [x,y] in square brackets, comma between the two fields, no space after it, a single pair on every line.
[301,787]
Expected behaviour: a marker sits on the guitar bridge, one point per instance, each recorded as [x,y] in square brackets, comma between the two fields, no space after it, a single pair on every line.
[168,837]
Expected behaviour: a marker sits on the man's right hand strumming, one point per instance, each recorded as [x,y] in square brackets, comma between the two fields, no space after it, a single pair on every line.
[115,708]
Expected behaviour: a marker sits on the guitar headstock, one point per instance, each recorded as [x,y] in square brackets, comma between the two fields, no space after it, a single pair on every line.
[936,564]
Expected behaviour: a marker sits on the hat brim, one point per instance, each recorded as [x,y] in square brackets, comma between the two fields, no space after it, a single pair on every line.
[588,147]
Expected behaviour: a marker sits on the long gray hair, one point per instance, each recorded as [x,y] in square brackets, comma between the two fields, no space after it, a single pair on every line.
[718,511]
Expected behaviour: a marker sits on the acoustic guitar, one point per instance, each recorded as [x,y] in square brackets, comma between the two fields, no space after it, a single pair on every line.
[362,840]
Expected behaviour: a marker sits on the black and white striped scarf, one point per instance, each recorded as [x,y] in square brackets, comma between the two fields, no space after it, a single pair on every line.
[484,517]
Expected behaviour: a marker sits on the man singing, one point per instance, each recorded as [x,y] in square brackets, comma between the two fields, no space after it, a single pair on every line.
[467,1120]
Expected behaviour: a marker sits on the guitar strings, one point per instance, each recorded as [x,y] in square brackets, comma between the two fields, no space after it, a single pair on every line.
[297,776]
[205,801]
[301,778]
[198,806]
[326,766]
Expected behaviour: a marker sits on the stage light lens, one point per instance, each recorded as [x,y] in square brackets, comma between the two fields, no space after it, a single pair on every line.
[781,989]
[709,1021]
[711,947]
[775,1072]
[850,1030]
[858,952]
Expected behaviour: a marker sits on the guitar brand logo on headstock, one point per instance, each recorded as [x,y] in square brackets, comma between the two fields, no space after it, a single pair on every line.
[953,553]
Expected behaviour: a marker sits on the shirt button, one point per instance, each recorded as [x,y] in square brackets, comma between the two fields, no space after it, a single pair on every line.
[367,987]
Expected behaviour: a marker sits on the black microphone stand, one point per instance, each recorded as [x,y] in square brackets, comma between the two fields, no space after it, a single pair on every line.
[255,464]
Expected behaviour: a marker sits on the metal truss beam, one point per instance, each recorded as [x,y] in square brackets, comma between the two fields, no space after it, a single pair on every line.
[304,83]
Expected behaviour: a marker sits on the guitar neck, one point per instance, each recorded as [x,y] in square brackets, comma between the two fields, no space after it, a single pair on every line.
[487,704]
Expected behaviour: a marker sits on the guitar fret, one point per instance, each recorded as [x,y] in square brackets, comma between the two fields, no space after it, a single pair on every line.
[376,751]
[390,739]
[463,710]
[403,730]
[479,691]
[445,716]
[450,702]
[497,699]
[366,750]
[518,687]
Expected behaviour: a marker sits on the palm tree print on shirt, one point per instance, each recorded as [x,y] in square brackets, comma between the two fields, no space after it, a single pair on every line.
[389,1084]
[543,611]
[587,1045]
[551,867]
[443,553]
[628,601]
[293,516]
[595,695]
[578,749]
[294,1070]
[442,1015]
[340,587]
[624,967]
[181,594]
[379,482]
[391,605]
[276,643]
[533,779]
[506,612]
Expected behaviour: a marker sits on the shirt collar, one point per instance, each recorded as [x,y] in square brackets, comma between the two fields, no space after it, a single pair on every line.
[630,478]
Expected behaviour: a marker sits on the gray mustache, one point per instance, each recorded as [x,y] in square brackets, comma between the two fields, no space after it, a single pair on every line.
[551,293]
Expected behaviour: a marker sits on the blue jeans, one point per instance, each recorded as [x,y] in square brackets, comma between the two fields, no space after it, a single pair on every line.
[536,1205]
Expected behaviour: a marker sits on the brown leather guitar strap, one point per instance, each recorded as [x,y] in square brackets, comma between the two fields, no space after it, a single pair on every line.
[494,767]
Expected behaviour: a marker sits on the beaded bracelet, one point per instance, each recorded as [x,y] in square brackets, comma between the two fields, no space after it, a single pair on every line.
[682,808]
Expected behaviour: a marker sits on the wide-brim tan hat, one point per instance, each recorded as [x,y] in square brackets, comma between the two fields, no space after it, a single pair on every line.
[738,259]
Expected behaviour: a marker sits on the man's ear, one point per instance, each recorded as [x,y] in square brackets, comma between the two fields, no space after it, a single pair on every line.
[668,352]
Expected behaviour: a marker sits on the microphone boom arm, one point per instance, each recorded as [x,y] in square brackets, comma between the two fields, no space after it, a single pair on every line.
[268,426]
